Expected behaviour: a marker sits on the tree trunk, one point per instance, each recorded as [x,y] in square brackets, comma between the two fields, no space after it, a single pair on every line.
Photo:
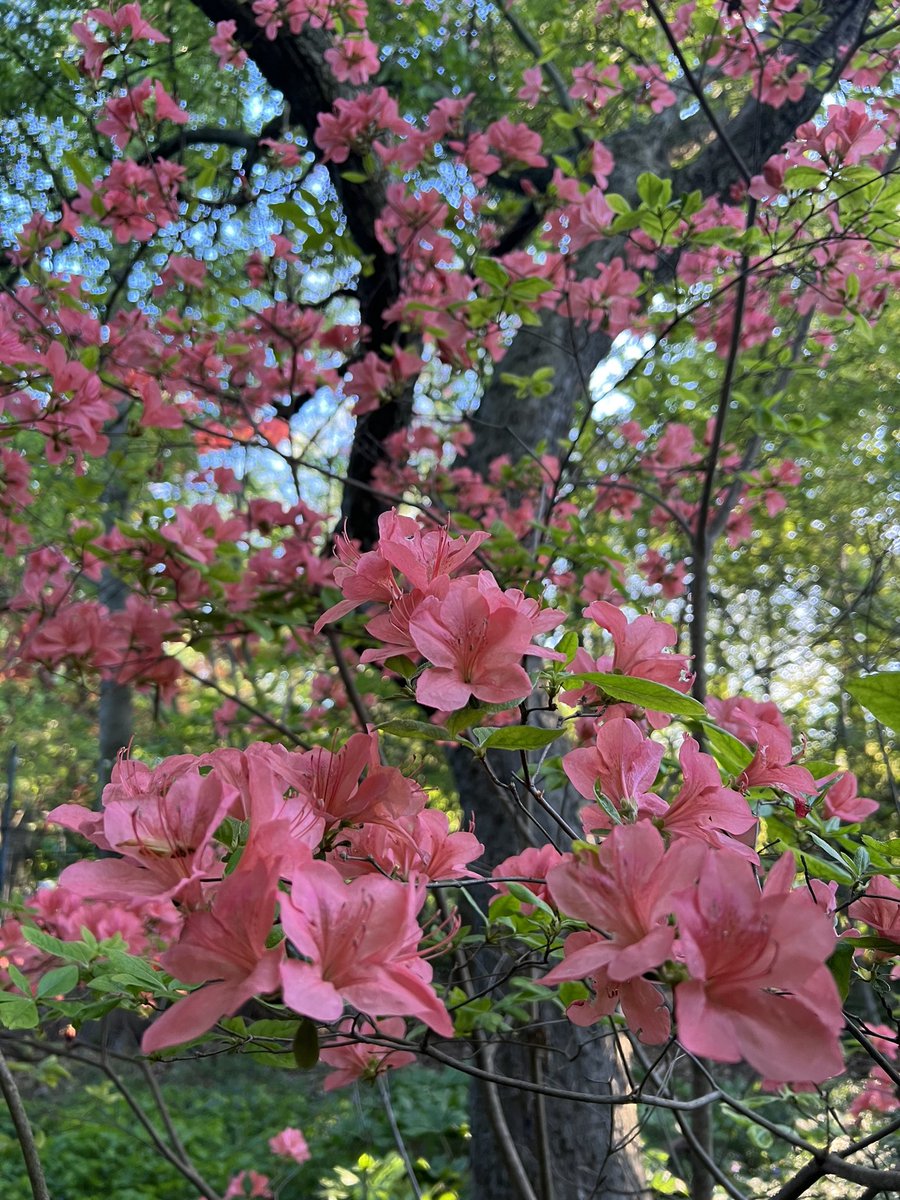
[570,1150]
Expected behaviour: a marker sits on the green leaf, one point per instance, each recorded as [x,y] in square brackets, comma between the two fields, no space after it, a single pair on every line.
[236,1025]
[829,871]
[608,807]
[529,289]
[872,942]
[522,893]
[617,203]
[274,1029]
[880,694]
[405,728]
[134,972]
[804,179]
[289,210]
[520,737]
[70,951]
[568,645]
[79,169]
[841,967]
[17,1012]
[842,860]
[491,272]
[729,752]
[570,992]
[653,191]
[645,693]
[401,665]
[19,979]
[305,1046]
[58,981]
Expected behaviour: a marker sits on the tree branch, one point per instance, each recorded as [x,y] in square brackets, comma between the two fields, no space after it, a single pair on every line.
[24,1133]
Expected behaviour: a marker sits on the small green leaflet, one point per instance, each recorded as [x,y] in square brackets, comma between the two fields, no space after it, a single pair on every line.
[880,694]
[568,645]
[305,1046]
[71,951]
[608,807]
[655,696]
[17,1012]
[58,981]
[729,752]
[519,737]
[841,967]
[525,896]
[403,728]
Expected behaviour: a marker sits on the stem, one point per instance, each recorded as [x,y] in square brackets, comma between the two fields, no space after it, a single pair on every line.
[545,1156]
[183,1165]
[700,1142]
[356,701]
[23,1131]
[701,540]
[384,1089]
[484,1054]
[163,1110]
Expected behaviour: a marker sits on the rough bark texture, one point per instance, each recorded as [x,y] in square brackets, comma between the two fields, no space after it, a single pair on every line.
[591,1148]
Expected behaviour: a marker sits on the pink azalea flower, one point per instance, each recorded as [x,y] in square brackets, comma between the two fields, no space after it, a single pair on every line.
[515,143]
[533,863]
[423,555]
[759,987]
[258,1184]
[361,942]
[224,948]
[332,780]
[290,1143]
[162,822]
[643,1004]
[222,44]
[355,1060]
[880,908]
[773,767]
[127,16]
[842,800]
[472,649]
[641,649]
[878,1095]
[706,810]
[742,716]
[353,60]
[421,845]
[623,764]
[533,86]
[625,890]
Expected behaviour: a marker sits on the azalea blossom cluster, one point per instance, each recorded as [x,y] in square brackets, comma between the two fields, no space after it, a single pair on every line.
[68,376]
[351,838]
[302,876]
[471,633]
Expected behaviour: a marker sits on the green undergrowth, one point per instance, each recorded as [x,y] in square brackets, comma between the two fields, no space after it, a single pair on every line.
[225,1110]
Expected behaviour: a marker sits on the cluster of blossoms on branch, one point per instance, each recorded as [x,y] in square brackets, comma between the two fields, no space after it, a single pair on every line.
[71,378]
[302,876]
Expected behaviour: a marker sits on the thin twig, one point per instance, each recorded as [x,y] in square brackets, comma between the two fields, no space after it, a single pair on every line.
[23,1130]
[697,88]
[384,1089]
[251,708]
[356,700]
